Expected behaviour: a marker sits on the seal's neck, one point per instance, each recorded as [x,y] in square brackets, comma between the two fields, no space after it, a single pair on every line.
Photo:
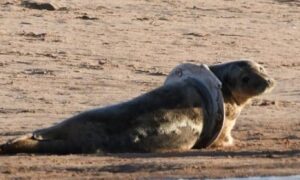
[219,71]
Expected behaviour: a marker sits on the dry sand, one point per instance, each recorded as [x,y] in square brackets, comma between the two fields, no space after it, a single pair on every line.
[85,54]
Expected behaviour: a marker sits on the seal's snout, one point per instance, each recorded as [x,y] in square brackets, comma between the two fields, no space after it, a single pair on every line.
[268,86]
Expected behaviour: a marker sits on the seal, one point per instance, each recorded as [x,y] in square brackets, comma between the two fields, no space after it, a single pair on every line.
[168,118]
[241,81]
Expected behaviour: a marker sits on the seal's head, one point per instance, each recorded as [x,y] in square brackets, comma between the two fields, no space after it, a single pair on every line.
[244,79]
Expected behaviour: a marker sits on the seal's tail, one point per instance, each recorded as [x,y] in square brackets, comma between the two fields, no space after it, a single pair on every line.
[28,144]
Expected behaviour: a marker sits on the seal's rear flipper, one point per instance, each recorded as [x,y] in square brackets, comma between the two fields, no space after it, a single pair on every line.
[28,144]
[23,144]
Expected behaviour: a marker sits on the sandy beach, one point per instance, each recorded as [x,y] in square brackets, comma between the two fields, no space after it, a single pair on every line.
[85,54]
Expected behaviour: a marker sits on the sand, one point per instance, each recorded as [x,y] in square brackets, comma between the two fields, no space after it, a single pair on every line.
[87,54]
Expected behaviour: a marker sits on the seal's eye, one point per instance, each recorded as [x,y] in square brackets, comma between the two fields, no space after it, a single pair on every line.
[245,79]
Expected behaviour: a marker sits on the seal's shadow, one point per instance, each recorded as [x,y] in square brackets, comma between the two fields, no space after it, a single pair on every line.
[152,167]
[135,167]
[213,153]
